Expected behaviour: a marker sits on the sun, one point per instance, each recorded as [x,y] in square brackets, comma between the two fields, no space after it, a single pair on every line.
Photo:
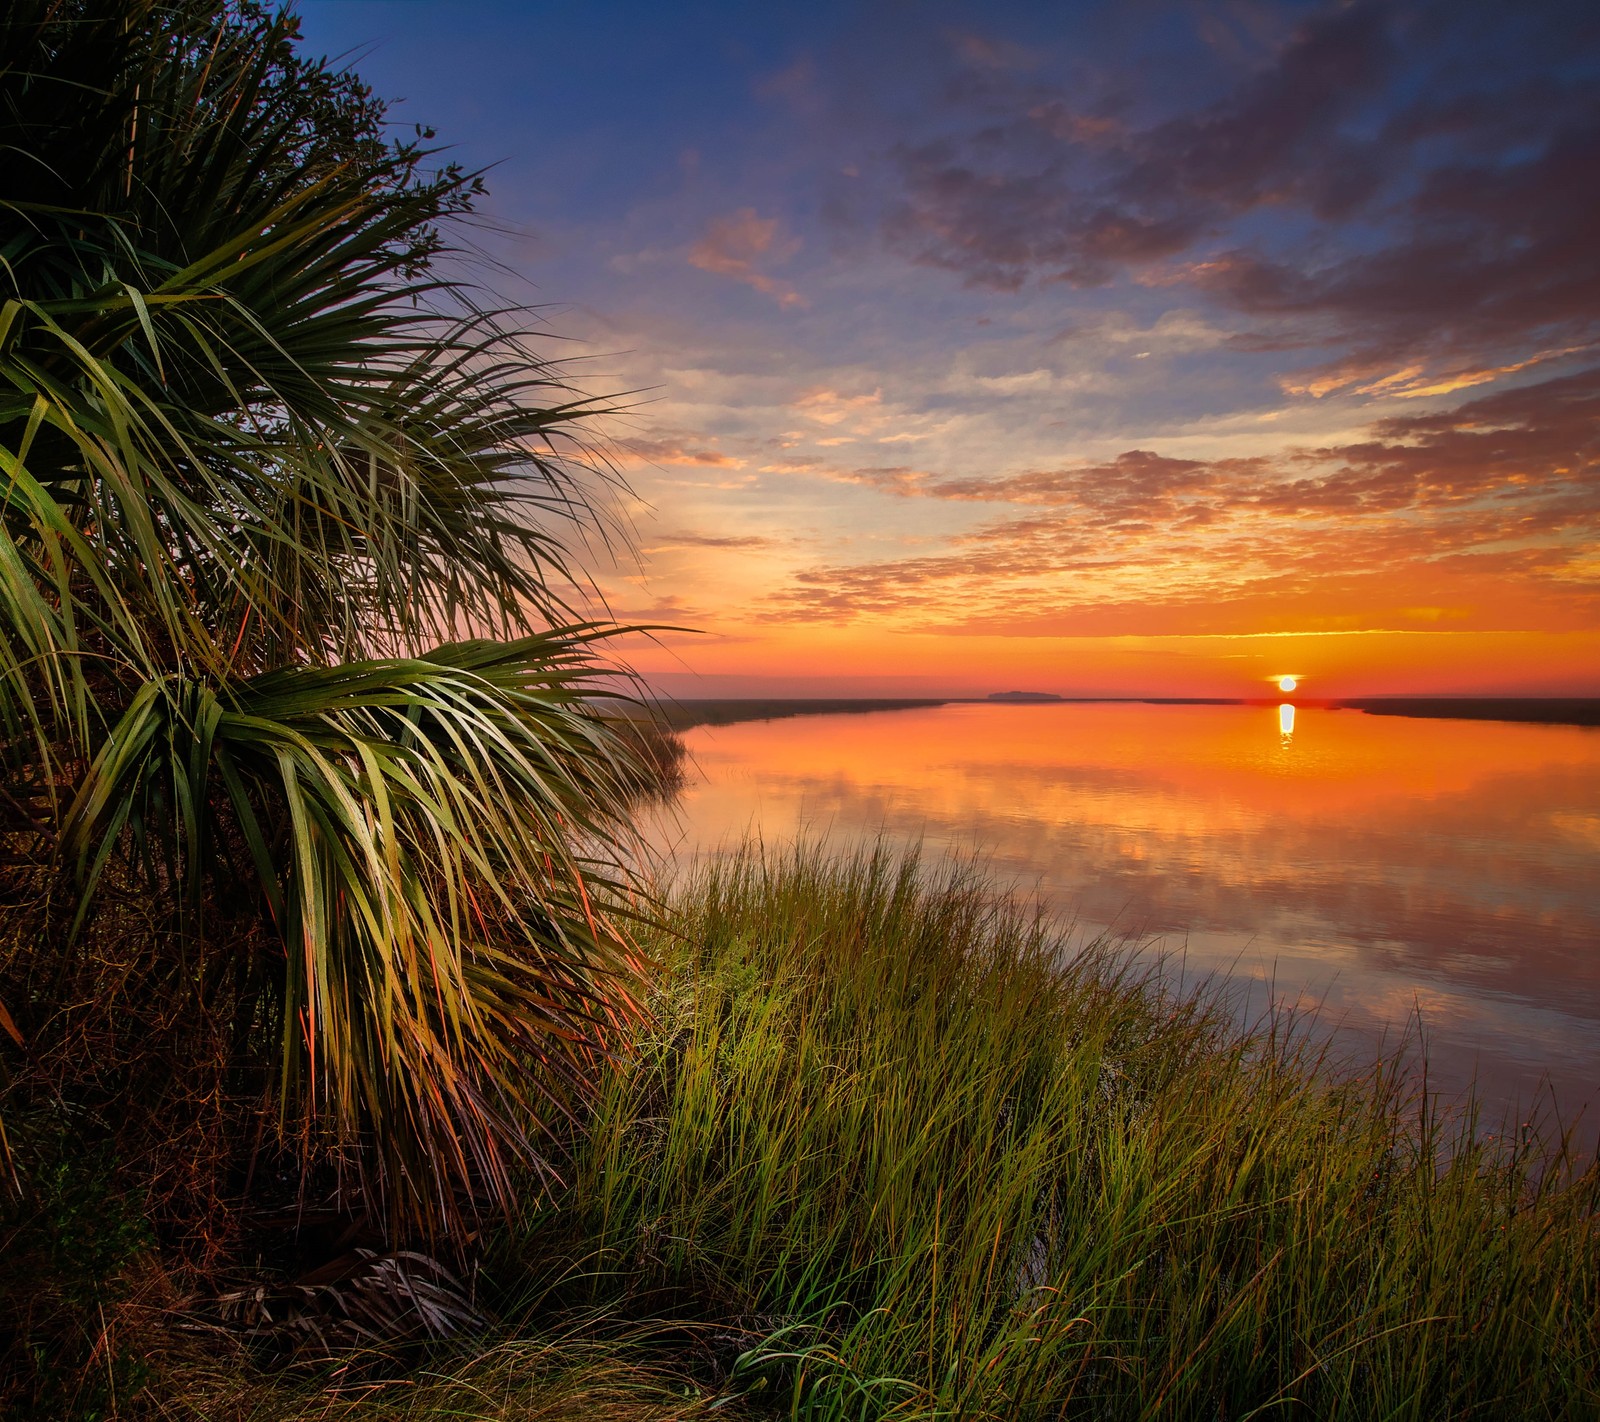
[1288,683]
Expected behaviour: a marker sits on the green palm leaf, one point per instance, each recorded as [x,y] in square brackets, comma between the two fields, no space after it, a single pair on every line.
[263,464]
[417,831]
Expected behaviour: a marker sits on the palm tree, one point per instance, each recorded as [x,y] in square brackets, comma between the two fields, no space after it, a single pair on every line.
[284,640]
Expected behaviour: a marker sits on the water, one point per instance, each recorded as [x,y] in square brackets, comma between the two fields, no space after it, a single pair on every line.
[1387,870]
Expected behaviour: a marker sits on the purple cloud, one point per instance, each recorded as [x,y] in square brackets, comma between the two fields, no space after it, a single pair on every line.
[1374,185]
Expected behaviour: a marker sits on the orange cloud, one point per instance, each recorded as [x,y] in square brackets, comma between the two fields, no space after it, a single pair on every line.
[1484,518]
[1411,381]
[668,451]
[829,407]
[739,245]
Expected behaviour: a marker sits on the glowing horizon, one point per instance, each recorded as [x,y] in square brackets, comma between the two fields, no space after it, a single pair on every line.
[1342,666]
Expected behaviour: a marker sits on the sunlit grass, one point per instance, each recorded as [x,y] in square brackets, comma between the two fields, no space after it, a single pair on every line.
[885,1150]
[911,1161]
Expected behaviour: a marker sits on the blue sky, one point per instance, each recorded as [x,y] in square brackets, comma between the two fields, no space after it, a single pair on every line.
[1130,347]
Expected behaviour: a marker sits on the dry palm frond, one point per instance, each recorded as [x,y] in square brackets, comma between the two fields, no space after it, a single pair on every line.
[363,1299]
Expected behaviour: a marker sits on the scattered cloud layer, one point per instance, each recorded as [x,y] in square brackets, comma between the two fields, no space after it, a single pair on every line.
[1090,320]
[1365,180]
[1483,517]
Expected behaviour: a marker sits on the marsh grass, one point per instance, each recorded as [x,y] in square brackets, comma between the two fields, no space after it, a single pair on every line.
[555,1379]
[895,1153]
[884,1149]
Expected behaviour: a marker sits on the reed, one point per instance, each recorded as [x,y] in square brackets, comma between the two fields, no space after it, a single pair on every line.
[884,1148]
[554,1379]
[889,1150]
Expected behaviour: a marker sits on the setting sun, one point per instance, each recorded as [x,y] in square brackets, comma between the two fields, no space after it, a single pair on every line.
[1288,683]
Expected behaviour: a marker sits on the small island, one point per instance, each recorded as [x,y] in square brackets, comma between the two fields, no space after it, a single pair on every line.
[1024,696]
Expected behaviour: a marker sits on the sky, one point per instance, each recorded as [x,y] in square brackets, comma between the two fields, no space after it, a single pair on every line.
[1132,348]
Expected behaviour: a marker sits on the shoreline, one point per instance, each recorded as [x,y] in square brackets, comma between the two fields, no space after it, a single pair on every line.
[686,714]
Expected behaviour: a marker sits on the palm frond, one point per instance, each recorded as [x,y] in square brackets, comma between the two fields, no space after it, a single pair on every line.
[280,437]
[422,833]
[263,465]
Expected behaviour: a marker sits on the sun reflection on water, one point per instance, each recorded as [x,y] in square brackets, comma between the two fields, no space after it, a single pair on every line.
[1286,722]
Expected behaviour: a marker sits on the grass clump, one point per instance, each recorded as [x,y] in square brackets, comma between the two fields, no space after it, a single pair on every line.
[559,1379]
[893,1152]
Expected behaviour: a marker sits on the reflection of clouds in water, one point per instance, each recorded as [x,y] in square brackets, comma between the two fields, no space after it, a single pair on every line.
[1378,865]
[1422,888]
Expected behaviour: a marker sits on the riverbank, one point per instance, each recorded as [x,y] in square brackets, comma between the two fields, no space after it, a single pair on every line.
[684,715]
[882,1151]
[1552,711]
[1563,711]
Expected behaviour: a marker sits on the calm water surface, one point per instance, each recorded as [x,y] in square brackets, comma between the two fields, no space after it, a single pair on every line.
[1389,870]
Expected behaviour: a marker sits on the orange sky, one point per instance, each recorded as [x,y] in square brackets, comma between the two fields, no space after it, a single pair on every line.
[877,662]
[1442,550]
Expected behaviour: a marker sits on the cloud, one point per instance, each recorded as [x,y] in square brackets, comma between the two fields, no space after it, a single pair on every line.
[983,52]
[664,541]
[739,245]
[1137,484]
[895,479]
[1492,253]
[1022,382]
[678,452]
[795,464]
[1484,516]
[1177,332]
[1374,184]
[829,407]
[797,86]
[1057,195]
[662,613]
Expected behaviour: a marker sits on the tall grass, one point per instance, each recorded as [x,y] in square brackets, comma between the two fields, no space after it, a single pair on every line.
[885,1150]
[895,1154]
[558,1379]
